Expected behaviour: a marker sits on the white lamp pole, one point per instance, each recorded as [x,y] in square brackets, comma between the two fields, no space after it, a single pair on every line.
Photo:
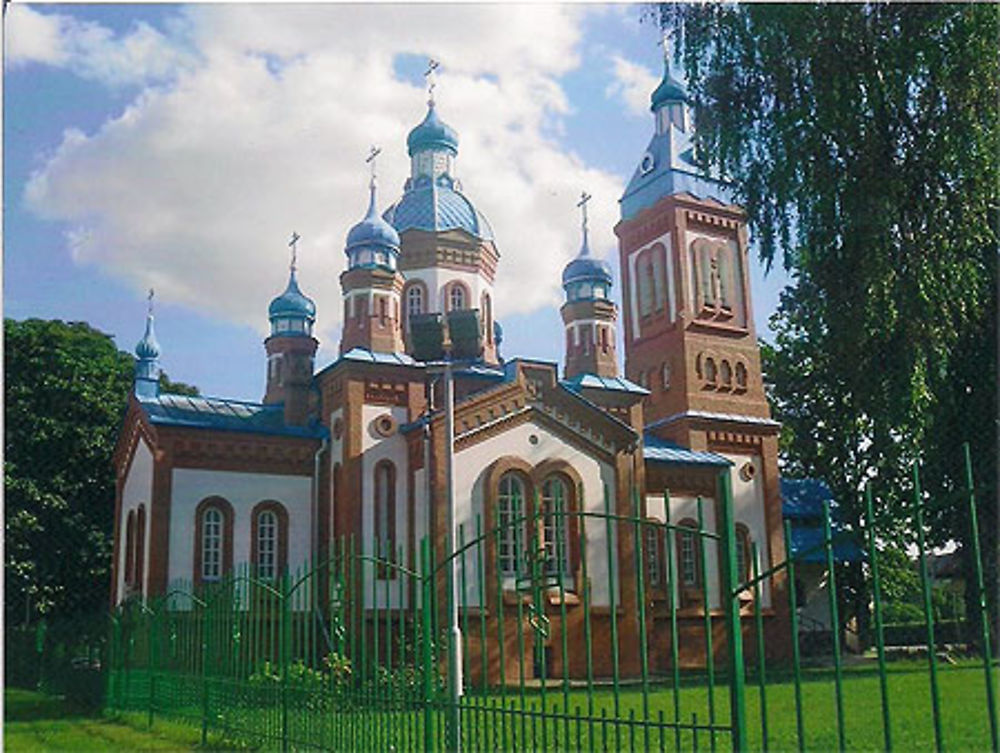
[454,631]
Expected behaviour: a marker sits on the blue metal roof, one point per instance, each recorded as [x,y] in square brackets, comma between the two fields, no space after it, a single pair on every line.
[802,498]
[669,90]
[223,415]
[731,417]
[586,267]
[370,356]
[292,303]
[373,230]
[436,205]
[432,133]
[807,546]
[664,451]
[614,384]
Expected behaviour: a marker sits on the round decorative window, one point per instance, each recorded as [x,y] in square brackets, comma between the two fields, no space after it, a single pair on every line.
[647,164]
[533,439]
[384,425]
[748,471]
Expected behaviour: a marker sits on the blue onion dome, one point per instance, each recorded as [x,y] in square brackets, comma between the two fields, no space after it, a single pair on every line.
[586,268]
[432,133]
[148,349]
[372,231]
[669,90]
[292,304]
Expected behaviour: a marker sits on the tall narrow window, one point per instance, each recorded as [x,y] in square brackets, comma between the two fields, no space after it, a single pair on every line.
[414,301]
[645,284]
[130,550]
[385,510]
[656,271]
[267,545]
[488,318]
[211,544]
[725,271]
[555,505]
[652,553]
[140,547]
[510,507]
[743,552]
[456,298]
[687,556]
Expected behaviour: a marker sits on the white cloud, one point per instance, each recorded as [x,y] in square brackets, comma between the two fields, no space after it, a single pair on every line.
[197,184]
[633,84]
[90,50]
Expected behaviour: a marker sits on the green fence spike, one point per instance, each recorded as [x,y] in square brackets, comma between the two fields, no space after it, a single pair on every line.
[758,614]
[793,617]
[835,625]
[730,598]
[883,675]
[925,586]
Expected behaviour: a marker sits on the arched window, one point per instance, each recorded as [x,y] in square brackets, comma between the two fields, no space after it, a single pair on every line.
[213,540]
[688,556]
[456,297]
[653,546]
[743,552]
[488,317]
[665,375]
[211,544]
[267,545]
[705,273]
[726,374]
[725,272]
[644,270]
[383,310]
[130,550]
[656,270]
[555,539]
[140,548]
[741,376]
[414,301]
[710,373]
[269,540]
[510,509]
[385,510]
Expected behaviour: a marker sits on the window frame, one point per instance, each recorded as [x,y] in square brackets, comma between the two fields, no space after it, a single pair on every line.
[281,538]
[226,545]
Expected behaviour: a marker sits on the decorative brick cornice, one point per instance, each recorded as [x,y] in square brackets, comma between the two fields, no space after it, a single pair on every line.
[248,453]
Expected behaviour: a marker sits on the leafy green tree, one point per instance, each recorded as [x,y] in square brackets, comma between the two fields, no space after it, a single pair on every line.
[66,389]
[863,141]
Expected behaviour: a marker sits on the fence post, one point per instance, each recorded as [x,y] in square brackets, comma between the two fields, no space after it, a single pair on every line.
[427,583]
[731,604]
[150,664]
[283,639]
[204,672]
[984,625]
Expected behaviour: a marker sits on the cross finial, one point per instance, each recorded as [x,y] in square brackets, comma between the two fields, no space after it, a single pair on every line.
[665,44]
[292,245]
[374,152]
[582,203]
[149,304]
[432,66]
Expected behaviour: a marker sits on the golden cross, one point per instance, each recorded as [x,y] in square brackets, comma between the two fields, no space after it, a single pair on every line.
[432,65]
[295,239]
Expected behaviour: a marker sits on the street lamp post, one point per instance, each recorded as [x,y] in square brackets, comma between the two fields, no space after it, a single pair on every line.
[443,345]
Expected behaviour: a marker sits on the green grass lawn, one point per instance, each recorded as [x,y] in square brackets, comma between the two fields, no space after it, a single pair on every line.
[34,722]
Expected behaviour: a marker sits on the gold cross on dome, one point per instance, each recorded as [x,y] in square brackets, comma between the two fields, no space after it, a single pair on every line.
[149,299]
[292,244]
[373,152]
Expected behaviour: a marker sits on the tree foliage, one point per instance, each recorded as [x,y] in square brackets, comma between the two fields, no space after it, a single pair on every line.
[66,390]
[863,141]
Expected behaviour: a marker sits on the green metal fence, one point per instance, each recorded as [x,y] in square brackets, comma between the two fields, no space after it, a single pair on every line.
[579,631]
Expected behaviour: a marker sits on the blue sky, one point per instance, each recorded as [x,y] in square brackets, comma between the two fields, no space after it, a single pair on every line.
[179,146]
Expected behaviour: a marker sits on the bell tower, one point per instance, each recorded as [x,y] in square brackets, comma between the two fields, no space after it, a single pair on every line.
[689,331]
[291,348]
[372,283]
[589,314]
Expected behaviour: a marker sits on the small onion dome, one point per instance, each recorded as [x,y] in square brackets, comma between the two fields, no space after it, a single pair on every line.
[292,304]
[669,90]
[432,133]
[372,230]
[586,268]
[147,349]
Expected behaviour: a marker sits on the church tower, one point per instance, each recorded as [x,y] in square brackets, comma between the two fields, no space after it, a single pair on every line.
[689,331]
[147,354]
[589,314]
[372,283]
[291,349]
[447,252]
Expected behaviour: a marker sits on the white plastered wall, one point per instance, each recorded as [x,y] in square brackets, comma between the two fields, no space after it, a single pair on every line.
[138,490]
[243,491]
[436,280]
[748,509]
[376,448]
[470,479]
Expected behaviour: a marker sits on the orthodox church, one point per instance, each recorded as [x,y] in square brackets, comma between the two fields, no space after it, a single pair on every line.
[358,447]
